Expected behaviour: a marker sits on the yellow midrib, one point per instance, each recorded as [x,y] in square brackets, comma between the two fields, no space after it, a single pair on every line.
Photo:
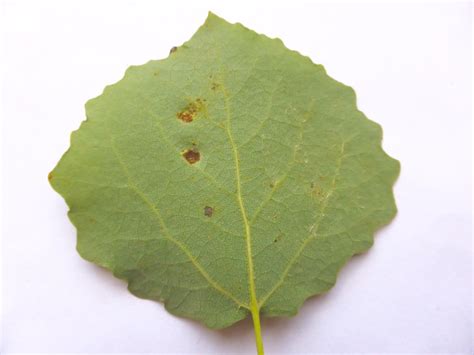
[254,306]
[248,240]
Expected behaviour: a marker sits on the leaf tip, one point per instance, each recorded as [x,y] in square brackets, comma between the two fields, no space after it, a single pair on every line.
[212,17]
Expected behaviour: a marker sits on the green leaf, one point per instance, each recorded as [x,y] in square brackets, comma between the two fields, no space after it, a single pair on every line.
[233,178]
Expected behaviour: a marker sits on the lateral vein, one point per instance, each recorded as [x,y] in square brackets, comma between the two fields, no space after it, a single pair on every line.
[166,232]
[313,232]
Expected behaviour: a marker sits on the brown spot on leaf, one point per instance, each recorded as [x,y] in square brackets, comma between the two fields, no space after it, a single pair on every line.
[50,176]
[316,191]
[185,116]
[174,49]
[278,238]
[215,86]
[192,156]
[191,110]
[208,211]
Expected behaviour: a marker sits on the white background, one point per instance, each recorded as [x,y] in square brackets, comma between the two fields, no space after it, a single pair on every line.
[410,65]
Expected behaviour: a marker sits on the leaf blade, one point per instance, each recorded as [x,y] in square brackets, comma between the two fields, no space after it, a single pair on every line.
[218,126]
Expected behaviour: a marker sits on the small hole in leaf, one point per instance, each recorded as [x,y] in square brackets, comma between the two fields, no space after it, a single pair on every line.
[192,156]
[208,211]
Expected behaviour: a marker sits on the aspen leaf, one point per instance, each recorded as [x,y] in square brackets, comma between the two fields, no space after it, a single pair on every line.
[234,178]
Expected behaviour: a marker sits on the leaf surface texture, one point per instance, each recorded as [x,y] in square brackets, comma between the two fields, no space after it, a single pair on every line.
[234,174]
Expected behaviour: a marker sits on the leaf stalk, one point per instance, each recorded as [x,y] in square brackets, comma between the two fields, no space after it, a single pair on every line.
[257,329]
